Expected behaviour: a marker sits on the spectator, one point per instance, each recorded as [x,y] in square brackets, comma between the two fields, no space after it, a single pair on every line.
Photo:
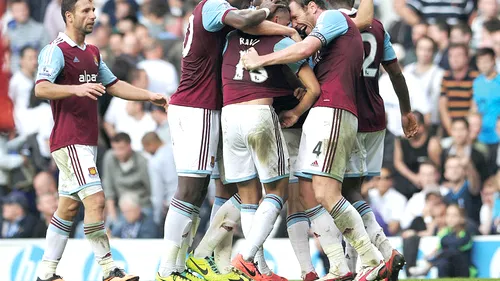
[440,33]
[134,223]
[453,255]
[475,124]
[459,146]
[44,183]
[17,222]
[461,33]
[456,88]
[156,17]
[418,31]
[161,119]
[486,10]
[385,199]
[131,49]
[20,89]
[463,181]
[124,171]
[486,95]
[429,76]
[491,38]
[53,20]
[46,204]
[8,161]
[435,11]
[162,75]
[408,155]
[487,225]
[418,99]
[429,182]
[23,31]
[118,9]
[162,174]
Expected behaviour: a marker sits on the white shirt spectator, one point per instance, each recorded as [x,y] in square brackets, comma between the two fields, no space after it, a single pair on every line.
[415,206]
[418,100]
[391,205]
[20,87]
[430,82]
[162,76]
[163,179]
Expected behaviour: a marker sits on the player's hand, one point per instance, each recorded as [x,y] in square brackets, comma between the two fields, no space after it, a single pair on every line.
[296,36]
[158,99]
[270,4]
[288,118]
[90,90]
[299,93]
[410,126]
[250,60]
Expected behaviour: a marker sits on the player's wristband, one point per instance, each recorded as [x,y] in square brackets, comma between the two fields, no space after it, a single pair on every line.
[268,12]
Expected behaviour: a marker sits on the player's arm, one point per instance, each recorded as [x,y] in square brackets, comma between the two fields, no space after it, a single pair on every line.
[243,19]
[330,25]
[270,28]
[126,91]
[364,16]
[50,65]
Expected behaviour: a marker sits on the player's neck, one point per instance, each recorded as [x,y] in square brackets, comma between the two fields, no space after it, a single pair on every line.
[77,37]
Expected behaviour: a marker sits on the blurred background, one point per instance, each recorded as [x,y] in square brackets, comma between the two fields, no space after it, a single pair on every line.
[448,49]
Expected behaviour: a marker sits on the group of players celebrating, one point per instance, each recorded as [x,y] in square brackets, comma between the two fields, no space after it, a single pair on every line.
[254,108]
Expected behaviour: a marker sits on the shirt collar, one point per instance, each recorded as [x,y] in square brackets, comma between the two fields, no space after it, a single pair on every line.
[70,42]
[349,12]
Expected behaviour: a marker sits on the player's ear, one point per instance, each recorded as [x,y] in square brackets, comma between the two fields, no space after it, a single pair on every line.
[275,19]
[69,16]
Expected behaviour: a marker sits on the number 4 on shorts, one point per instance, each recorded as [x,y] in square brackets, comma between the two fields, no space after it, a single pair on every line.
[317,148]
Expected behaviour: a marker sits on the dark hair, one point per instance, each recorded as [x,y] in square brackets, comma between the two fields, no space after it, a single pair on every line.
[67,6]
[121,137]
[485,52]
[420,117]
[321,3]
[338,4]
[464,47]
[283,7]
[462,26]
[24,49]
[443,26]
[492,25]
[461,119]
[425,37]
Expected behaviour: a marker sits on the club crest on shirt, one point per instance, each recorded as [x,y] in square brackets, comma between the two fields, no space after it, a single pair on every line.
[93,172]
[96,61]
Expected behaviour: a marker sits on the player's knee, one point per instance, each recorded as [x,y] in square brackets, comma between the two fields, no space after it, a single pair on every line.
[94,203]
[68,211]
[192,190]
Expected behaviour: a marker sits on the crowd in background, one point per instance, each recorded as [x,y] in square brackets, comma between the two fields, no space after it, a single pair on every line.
[450,53]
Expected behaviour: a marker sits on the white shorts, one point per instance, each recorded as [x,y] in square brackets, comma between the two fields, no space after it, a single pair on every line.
[218,170]
[292,138]
[195,136]
[367,155]
[253,144]
[328,136]
[78,175]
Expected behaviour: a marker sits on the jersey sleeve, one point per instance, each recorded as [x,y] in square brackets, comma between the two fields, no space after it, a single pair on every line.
[50,63]
[106,77]
[213,13]
[330,25]
[389,54]
[282,44]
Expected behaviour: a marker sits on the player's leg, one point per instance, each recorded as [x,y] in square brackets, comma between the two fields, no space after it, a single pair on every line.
[327,184]
[57,237]
[262,136]
[373,146]
[297,221]
[195,133]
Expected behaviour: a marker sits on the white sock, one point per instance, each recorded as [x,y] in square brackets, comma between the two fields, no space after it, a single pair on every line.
[247,216]
[218,202]
[222,225]
[298,232]
[351,257]
[375,232]
[55,242]
[177,228]
[181,256]
[263,223]
[330,238]
[351,226]
[99,242]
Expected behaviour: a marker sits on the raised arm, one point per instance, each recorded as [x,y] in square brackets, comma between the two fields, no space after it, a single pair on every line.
[364,16]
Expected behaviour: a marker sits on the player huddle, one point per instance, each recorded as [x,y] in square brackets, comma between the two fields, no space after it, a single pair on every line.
[254,108]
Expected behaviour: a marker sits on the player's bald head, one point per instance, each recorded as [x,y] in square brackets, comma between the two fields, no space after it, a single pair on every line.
[150,138]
